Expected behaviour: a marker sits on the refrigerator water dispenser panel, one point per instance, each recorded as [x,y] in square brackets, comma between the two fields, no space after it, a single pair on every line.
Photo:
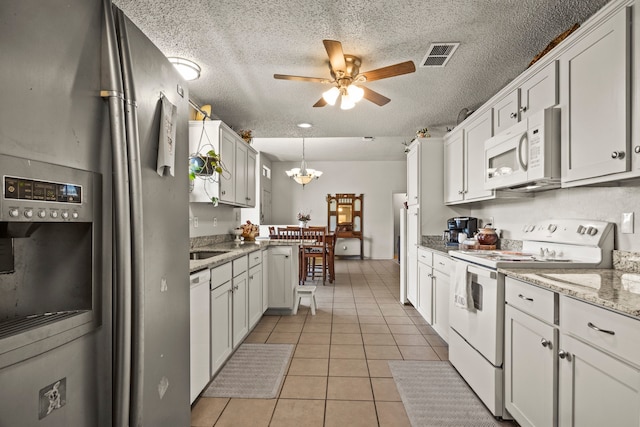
[49,256]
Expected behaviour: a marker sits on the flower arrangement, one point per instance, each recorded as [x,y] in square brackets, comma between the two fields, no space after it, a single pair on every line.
[422,133]
[246,135]
[304,217]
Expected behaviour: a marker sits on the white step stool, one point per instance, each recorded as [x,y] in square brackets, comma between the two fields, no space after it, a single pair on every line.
[303,291]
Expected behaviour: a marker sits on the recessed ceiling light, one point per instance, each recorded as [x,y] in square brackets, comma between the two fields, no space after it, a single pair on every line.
[304,125]
[189,70]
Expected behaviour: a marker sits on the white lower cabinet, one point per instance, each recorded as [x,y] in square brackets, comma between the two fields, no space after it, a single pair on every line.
[425,289]
[441,297]
[433,290]
[255,295]
[283,276]
[599,374]
[529,369]
[240,300]
[596,389]
[265,280]
[589,354]
[221,320]
[413,235]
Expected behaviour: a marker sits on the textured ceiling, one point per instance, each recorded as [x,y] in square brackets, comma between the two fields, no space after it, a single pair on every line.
[241,44]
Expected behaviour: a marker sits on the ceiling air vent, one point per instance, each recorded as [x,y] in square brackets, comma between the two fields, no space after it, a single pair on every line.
[439,54]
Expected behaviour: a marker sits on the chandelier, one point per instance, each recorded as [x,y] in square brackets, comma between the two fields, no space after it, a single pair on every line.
[303,175]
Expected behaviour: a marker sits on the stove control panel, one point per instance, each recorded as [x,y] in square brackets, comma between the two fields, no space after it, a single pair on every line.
[572,231]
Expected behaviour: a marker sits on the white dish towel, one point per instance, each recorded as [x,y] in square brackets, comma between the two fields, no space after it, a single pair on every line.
[462,296]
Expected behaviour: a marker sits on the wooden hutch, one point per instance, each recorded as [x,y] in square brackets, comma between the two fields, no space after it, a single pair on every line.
[344,217]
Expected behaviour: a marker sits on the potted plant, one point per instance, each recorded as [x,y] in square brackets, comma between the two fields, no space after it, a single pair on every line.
[206,166]
[303,219]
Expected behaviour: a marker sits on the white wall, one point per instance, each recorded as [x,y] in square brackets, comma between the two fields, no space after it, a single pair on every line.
[597,203]
[227,218]
[376,180]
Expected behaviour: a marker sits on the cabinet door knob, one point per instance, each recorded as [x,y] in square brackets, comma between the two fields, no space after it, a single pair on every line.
[617,155]
[546,343]
[637,149]
[523,109]
[564,355]
[513,115]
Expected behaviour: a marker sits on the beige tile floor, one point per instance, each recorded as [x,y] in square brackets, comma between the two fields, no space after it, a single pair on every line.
[338,375]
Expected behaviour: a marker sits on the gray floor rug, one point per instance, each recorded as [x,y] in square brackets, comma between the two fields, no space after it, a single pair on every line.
[434,394]
[253,371]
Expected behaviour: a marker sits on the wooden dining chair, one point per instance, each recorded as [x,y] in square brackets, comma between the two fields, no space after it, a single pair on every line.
[313,251]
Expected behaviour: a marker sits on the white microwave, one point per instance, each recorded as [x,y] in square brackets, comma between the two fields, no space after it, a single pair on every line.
[526,156]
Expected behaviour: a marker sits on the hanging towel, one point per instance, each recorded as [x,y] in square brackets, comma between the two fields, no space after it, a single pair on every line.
[167,139]
[462,296]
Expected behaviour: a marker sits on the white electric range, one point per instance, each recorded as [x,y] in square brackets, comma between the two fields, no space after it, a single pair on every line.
[476,341]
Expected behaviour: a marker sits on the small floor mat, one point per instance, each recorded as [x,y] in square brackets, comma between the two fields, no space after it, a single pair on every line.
[434,394]
[253,371]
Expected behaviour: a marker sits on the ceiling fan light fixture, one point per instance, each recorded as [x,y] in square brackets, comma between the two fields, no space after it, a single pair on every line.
[331,96]
[355,93]
[346,103]
[189,70]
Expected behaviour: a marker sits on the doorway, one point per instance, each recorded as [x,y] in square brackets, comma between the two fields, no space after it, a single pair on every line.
[397,202]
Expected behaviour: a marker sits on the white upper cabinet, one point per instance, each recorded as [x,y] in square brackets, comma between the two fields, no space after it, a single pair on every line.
[454,166]
[538,92]
[506,111]
[237,184]
[464,161]
[595,102]
[413,175]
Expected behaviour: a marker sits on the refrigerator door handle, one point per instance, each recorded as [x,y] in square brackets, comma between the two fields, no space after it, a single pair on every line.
[121,224]
[137,228]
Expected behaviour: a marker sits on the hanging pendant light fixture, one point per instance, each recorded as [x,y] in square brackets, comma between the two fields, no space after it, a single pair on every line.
[303,175]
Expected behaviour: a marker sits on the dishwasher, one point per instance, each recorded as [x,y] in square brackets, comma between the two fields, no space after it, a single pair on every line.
[199,331]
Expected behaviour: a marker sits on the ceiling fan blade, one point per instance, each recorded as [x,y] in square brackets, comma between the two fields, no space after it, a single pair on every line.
[374,97]
[390,71]
[321,103]
[336,55]
[301,78]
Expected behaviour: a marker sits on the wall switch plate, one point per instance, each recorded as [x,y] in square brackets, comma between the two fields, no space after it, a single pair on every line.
[195,222]
[626,223]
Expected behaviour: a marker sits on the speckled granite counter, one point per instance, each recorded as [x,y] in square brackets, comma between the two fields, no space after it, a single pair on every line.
[614,289]
[230,251]
[437,244]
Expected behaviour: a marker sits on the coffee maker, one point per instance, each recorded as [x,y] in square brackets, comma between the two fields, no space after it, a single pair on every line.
[467,225]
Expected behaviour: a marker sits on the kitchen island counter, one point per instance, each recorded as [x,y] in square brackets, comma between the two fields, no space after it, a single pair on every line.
[614,289]
[230,251]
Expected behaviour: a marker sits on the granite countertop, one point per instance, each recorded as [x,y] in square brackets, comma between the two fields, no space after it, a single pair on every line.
[436,243]
[614,289]
[233,250]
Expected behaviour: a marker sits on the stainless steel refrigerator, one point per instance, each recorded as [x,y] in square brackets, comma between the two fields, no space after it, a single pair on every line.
[94,295]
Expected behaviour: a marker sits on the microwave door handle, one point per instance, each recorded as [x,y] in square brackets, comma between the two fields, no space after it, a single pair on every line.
[523,162]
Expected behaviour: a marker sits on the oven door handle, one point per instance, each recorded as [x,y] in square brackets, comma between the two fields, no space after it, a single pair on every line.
[481,272]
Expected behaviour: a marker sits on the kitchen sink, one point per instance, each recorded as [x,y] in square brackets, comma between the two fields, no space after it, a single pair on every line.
[193,256]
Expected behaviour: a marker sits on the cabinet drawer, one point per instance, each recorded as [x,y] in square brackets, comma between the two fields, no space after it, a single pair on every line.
[240,265]
[220,274]
[425,256]
[255,258]
[443,264]
[619,334]
[531,299]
